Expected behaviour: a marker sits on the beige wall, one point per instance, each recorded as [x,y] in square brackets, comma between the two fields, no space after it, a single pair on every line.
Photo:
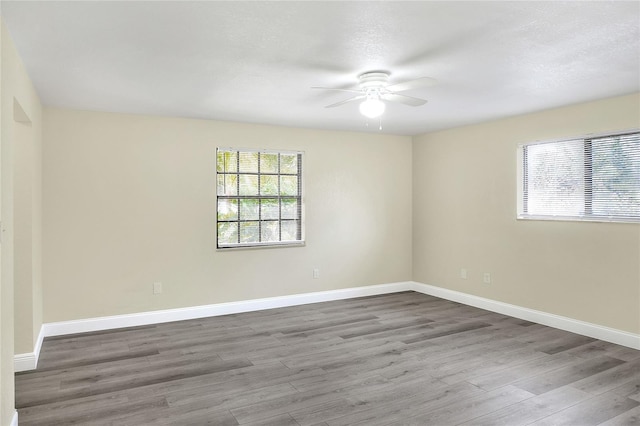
[464,216]
[27,229]
[130,200]
[20,139]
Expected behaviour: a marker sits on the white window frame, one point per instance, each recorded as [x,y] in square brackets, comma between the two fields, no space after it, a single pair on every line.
[300,210]
[521,214]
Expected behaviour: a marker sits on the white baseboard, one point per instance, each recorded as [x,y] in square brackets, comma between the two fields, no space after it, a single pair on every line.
[29,360]
[156,317]
[599,332]
[24,362]
[14,419]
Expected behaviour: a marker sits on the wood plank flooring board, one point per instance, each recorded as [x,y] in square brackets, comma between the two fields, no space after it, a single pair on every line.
[610,379]
[567,375]
[42,414]
[394,326]
[521,372]
[338,353]
[401,358]
[99,415]
[384,412]
[563,343]
[531,409]
[488,366]
[446,331]
[592,411]
[630,389]
[628,418]
[279,420]
[468,408]
[222,399]
[330,409]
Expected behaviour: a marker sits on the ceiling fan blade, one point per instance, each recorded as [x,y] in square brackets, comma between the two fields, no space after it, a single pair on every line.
[341,90]
[346,101]
[403,99]
[412,84]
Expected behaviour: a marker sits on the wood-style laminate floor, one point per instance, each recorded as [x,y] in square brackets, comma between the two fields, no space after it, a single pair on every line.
[398,359]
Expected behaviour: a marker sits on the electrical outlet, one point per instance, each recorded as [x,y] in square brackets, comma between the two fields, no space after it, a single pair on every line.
[463,274]
[316,273]
[157,288]
[486,278]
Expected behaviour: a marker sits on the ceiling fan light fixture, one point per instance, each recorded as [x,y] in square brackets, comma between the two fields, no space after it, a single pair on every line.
[372,107]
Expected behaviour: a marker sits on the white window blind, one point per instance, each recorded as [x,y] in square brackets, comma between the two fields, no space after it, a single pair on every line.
[596,178]
[259,198]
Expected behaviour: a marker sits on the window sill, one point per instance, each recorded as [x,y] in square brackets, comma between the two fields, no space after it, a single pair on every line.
[596,219]
[253,246]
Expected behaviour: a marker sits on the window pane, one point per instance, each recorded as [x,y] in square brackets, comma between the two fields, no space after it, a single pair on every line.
[249,209]
[289,230]
[289,208]
[227,161]
[227,184]
[616,177]
[248,162]
[289,163]
[227,233]
[220,185]
[268,185]
[288,185]
[270,231]
[268,163]
[248,184]
[249,232]
[269,209]
[555,174]
[227,209]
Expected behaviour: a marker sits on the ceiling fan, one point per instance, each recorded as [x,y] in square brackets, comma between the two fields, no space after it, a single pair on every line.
[373,89]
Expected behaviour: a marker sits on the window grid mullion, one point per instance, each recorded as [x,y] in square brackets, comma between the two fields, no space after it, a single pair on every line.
[279,201]
[299,200]
[588,177]
[238,191]
[259,200]
[525,180]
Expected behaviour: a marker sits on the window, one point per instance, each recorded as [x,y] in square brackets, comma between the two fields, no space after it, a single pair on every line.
[593,179]
[259,198]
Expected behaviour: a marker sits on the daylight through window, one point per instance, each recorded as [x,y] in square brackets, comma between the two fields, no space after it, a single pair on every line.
[595,179]
[259,198]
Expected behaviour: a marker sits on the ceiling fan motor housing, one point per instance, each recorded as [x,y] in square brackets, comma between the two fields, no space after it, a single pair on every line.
[373,80]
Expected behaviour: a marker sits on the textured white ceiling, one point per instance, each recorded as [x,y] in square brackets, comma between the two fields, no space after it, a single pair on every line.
[256,61]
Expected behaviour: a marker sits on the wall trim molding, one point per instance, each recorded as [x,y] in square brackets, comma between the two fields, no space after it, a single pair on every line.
[179,314]
[596,331]
[29,361]
[14,419]
[24,362]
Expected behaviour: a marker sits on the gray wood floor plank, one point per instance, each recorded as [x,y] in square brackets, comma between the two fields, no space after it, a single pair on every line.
[567,375]
[468,408]
[532,409]
[610,379]
[592,411]
[524,371]
[628,418]
[279,420]
[402,358]
[384,407]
